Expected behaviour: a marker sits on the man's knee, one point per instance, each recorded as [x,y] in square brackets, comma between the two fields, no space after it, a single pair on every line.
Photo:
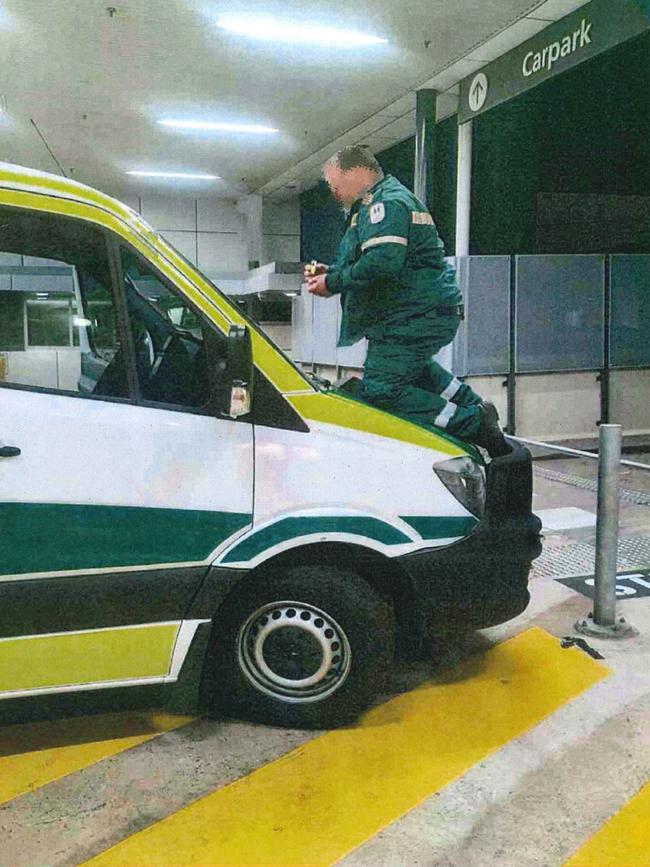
[383,393]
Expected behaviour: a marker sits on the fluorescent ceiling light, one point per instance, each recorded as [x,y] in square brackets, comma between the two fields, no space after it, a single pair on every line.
[185,175]
[224,127]
[288,31]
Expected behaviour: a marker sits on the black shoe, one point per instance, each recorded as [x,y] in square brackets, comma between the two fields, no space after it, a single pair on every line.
[489,435]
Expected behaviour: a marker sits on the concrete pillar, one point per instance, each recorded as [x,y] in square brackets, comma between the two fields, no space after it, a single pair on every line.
[251,207]
[425,123]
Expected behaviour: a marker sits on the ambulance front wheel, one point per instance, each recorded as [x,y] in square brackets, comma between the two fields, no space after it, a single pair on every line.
[308,648]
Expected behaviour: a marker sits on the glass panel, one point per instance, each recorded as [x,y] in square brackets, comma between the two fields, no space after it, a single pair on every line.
[49,319]
[169,338]
[559,312]
[630,319]
[58,317]
[481,345]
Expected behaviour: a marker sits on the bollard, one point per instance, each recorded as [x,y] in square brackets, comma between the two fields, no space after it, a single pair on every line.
[602,622]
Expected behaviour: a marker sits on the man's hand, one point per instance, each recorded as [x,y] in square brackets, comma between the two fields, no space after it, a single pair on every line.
[317,286]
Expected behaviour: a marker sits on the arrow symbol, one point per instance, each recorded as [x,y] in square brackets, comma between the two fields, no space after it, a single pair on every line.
[478,89]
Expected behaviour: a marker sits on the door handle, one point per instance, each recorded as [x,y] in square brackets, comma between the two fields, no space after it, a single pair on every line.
[9,452]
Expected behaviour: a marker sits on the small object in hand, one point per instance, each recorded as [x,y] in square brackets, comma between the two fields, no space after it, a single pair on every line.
[311,268]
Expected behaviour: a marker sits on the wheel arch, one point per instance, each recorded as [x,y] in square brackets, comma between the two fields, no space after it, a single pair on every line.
[381,573]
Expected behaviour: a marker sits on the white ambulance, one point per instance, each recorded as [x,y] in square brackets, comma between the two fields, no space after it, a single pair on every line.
[181,506]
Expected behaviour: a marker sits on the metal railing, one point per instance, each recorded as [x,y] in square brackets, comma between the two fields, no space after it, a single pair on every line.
[602,622]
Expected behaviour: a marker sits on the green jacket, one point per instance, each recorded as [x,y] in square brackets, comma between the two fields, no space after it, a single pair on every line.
[389,268]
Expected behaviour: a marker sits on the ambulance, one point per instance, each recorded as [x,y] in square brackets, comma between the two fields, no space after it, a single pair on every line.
[182,507]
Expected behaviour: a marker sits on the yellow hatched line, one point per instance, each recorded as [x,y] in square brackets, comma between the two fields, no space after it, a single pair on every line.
[38,753]
[624,841]
[317,803]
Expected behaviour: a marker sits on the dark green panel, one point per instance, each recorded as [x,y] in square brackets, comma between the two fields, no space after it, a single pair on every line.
[97,601]
[12,329]
[592,29]
[399,161]
[583,133]
[443,200]
[52,537]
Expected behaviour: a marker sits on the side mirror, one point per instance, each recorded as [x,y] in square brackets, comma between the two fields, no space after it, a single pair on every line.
[238,374]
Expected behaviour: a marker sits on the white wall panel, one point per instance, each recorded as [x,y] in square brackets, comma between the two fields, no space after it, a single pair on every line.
[352,356]
[556,406]
[280,248]
[167,213]
[184,242]
[220,252]
[325,330]
[629,404]
[302,346]
[281,217]
[218,215]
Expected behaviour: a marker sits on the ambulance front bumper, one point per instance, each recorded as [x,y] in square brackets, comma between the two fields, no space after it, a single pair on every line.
[482,580]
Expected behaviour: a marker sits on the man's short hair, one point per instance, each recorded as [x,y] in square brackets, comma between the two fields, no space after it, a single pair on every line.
[354,157]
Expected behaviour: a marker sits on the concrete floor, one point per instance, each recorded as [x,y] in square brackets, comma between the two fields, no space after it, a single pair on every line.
[534,800]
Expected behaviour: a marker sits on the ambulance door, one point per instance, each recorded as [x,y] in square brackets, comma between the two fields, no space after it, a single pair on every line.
[118,482]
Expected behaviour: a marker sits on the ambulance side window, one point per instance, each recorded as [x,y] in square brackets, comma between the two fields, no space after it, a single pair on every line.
[169,338]
[58,321]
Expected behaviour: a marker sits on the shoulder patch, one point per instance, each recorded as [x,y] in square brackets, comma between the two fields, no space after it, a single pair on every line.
[421,218]
[377,212]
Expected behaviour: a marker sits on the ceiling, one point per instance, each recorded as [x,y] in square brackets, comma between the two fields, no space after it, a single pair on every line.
[84,81]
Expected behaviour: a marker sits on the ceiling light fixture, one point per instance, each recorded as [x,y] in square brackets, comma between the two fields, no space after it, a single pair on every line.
[182,175]
[217,125]
[287,31]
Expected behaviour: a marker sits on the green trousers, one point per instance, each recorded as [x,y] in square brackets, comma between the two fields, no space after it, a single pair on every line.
[401,376]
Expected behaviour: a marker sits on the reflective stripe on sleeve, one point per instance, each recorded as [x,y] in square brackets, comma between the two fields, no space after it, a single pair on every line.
[452,389]
[445,416]
[384,239]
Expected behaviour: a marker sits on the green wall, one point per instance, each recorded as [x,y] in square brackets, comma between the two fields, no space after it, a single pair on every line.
[584,133]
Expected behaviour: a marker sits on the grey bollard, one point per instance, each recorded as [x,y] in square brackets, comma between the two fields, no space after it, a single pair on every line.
[609,462]
[602,623]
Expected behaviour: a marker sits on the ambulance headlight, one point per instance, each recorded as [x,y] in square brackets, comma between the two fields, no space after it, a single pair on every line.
[466,481]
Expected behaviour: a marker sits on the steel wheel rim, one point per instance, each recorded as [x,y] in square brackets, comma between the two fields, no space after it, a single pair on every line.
[281,638]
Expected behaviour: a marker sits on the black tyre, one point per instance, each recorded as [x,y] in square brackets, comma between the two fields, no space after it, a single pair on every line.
[308,648]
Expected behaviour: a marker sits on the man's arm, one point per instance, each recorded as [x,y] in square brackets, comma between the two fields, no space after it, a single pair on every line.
[383,233]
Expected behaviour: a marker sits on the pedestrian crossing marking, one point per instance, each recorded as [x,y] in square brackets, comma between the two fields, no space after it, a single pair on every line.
[623,841]
[319,802]
[38,753]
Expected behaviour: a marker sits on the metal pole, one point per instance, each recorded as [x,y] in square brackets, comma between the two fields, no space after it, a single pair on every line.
[464,188]
[609,452]
[551,447]
[511,380]
[602,623]
[425,123]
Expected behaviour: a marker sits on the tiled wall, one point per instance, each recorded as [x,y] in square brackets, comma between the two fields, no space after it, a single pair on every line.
[212,233]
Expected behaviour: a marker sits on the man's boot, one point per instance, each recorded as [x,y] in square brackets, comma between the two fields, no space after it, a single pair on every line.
[489,435]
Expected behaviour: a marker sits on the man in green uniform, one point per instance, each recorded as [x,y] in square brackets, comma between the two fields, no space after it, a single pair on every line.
[397,290]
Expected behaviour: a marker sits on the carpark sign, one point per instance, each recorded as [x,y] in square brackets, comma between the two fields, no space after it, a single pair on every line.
[587,32]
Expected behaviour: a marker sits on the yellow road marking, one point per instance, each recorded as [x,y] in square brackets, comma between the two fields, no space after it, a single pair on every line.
[35,754]
[324,799]
[624,841]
